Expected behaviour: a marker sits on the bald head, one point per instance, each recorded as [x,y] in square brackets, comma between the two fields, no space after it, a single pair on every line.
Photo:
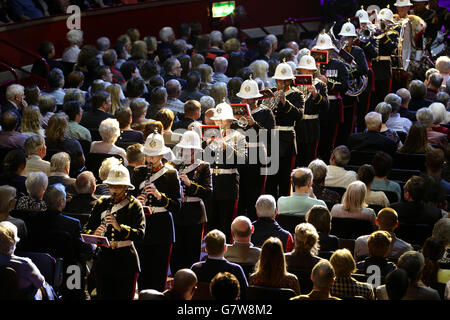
[294,46]
[387,219]
[184,283]
[173,88]
[302,179]
[405,95]
[242,229]
[322,275]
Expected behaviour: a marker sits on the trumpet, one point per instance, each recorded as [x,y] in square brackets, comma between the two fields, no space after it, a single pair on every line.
[272,103]
[364,35]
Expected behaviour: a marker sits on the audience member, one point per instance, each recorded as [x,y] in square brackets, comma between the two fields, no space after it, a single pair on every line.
[8,200]
[440,231]
[109,131]
[10,138]
[31,122]
[139,108]
[36,184]
[47,106]
[56,82]
[135,157]
[319,170]
[366,174]
[416,141]
[184,285]
[385,109]
[84,200]
[101,104]
[36,150]
[337,176]
[425,116]
[306,248]
[271,268]
[15,101]
[397,284]
[439,113]
[434,163]
[13,168]
[125,117]
[192,112]
[433,85]
[192,87]
[158,100]
[75,38]
[224,287]
[59,172]
[166,116]
[433,250]
[220,68]
[103,189]
[320,218]
[242,250]
[266,226]
[382,164]
[418,91]
[74,111]
[302,199]
[404,112]
[173,88]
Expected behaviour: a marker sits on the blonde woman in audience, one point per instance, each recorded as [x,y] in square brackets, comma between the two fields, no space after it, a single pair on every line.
[271,268]
[218,92]
[116,97]
[306,248]
[31,122]
[354,205]
[206,73]
[260,69]
[109,131]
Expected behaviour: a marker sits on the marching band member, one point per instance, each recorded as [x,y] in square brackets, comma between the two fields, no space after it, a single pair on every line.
[288,109]
[348,35]
[252,181]
[225,155]
[195,177]
[429,17]
[387,45]
[308,129]
[368,43]
[157,186]
[336,76]
[119,218]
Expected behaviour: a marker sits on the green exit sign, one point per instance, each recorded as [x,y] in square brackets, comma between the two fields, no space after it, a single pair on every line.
[222,9]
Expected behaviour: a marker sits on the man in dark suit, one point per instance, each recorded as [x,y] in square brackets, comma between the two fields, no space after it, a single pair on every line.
[84,200]
[15,101]
[372,140]
[158,100]
[192,112]
[172,68]
[215,262]
[192,87]
[418,91]
[413,210]
[101,105]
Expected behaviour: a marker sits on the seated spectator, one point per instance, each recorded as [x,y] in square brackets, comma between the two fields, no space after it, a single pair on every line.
[417,140]
[158,100]
[138,52]
[8,201]
[84,200]
[384,109]
[404,112]
[135,88]
[382,164]
[109,59]
[440,231]
[46,50]
[135,157]
[139,110]
[31,122]
[444,98]
[192,87]
[192,112]
[47,106]
[242,250]
[345,286]
[319,170]
[397,284]
[32,95]
[425,116]
[56,83]
[434,163]
[306,247]
[387,220]
[215,261]
[101,105]
[109,131]
[209,113]
[320,218]
[56,141]
[29,277]
[418,91]
[337,176]
[260,68]
[443,66]
[413,210]
[150,128]
[266,226]
[218,92]
[439,113]
[379,243]
[75,38]
[166,117]
[366,174]
[271,268]
[13,168]
[36,184]
[215,50]
[372,140]
[173,88]
[103,44]
[74,111]
[36,150]
[322,276]
[433,84]
[172,68]
[184,285]
[103,189]
[15,101]
[433,250]
[9,136]
[125,117]
[302,199]
[233,87]
[224,287]
[74,80]
[59,172]
[354,205]
[412,262]
[220,68]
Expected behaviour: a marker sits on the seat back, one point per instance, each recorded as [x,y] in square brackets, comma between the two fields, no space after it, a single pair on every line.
[347,244]
[440,288]
[248,268]
[375,207]
[289,222]
[9,288]
[402,135]
[361,157]
[348,228]
[304,279]
[392,196]
[3,153]
[409,161]
[44,262]
[402,174]
[267,293]
[85,145]
[124,145]
[94,161]
[326,254]
[339,190]
[202,292]
[416,234]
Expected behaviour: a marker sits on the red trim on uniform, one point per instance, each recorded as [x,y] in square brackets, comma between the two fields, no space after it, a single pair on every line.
[341,108]
[390,85]
[136,275]
[315,149]
[335,135]
[289,244]
[291,168]
[168,262]
[234,216]
[263,189]
[353,118]
[201,239]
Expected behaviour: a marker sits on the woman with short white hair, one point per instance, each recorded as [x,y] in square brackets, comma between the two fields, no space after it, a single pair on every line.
[109,131]
[260,69]
[36,184]
[75,38]
[8,202]
[354,205]
[426,117]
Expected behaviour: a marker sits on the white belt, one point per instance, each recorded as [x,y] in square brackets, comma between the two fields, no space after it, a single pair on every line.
[255,144]
[192,199]
[310,116]
[385,58]
[157,209]
[332,97]
[217,171]
[285,128]
[120,244]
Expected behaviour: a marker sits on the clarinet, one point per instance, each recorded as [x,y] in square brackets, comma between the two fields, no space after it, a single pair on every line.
[102,222]
[150,197]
